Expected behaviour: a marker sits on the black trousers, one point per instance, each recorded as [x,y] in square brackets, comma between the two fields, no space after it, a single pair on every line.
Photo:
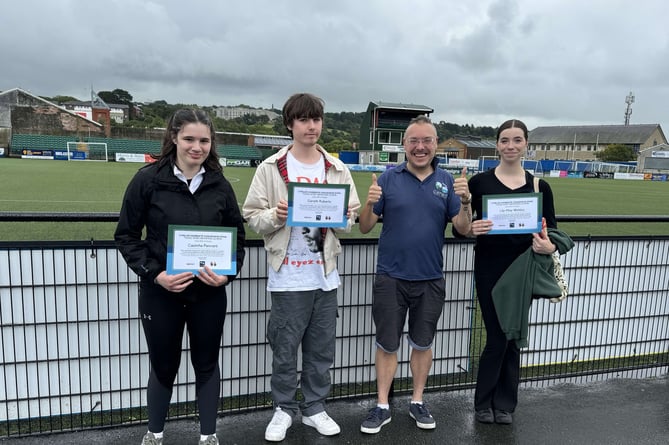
[499,367]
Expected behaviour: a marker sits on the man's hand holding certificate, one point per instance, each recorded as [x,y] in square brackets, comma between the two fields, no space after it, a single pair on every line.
[513,213]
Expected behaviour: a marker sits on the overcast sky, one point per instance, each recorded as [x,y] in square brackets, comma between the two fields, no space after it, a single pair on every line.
[547,62]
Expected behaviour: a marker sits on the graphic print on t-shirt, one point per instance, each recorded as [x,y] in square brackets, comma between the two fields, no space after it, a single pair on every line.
[302,268]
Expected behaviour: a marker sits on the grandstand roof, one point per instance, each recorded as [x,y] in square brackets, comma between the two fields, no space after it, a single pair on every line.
[272,140]
[594,134]
[401,106]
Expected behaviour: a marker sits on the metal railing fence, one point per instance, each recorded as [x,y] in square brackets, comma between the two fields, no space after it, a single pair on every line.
[73,354]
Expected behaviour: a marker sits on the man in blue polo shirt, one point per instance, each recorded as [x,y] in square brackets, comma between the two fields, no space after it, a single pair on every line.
[416,200]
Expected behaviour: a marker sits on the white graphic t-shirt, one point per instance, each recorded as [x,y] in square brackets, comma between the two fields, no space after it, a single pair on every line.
[303,268]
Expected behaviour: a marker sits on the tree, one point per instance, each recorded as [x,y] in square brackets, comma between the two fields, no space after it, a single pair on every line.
[116,96]
[617,152]
[62,99]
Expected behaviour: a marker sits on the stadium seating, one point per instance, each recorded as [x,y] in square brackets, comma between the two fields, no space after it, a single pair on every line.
[21,142]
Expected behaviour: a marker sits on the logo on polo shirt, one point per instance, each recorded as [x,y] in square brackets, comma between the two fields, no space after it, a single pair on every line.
[440,189]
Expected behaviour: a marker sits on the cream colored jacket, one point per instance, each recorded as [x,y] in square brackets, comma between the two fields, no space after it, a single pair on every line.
[268,187]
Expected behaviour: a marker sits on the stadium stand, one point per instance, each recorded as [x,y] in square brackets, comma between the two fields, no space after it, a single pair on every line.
[21,142]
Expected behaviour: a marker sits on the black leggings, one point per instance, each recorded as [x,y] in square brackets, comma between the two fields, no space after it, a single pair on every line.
[163,319]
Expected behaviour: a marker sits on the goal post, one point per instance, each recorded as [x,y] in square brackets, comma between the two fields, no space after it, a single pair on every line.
[87,151]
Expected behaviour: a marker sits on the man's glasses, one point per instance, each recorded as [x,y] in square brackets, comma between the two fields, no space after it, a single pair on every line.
[425,141]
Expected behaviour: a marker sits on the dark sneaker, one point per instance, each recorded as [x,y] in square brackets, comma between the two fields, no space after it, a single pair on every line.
[485,416]
[376,418]
[503,417]
[422,416]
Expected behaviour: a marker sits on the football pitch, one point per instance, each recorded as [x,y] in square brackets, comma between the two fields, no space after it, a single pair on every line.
[30,185]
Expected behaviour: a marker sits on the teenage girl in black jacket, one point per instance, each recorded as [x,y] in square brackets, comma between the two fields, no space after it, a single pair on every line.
[185,186]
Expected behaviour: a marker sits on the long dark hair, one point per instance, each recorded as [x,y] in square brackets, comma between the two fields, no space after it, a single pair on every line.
[168,151]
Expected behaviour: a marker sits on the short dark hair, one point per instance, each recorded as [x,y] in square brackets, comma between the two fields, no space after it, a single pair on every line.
[301,105]
[512,123]
[184,116]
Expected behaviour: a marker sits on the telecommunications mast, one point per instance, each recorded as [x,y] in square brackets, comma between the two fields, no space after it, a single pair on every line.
[629,100]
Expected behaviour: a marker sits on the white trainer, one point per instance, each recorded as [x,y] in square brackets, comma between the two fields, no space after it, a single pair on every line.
[150,439]
[323,423]
[276,430]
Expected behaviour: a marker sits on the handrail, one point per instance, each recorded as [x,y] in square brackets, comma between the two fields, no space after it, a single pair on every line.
[113,217]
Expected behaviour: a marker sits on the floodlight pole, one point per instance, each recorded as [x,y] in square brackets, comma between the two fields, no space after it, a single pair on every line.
[629,100]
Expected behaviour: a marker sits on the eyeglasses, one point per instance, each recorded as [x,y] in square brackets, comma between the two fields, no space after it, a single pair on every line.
[416,141]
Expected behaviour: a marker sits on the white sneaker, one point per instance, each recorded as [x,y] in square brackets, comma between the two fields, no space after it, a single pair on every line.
[150,439]
[209,440]
[276,430]
[323,423]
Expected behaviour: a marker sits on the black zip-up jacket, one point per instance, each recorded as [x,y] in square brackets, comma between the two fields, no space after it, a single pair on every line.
[156,198]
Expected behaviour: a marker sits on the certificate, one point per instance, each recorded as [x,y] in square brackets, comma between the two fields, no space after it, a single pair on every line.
[317,205]
[190,248]
[513,213]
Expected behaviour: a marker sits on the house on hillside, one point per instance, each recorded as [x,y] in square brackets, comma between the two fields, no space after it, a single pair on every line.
[119,113]
[581,143]
[382,131]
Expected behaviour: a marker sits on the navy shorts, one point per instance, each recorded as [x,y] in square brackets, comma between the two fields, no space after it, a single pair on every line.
[393,298]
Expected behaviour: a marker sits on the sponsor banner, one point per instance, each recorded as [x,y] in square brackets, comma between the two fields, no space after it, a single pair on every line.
[470,163]
[368,167]
[78,155]
[131,157]
[36,154]
[660,154]
[452,170]
[628,176]
[393,148]
[2,151]
[60,155]
[654,177]
[558,173]
[574,174]
[238,163]
[599,175]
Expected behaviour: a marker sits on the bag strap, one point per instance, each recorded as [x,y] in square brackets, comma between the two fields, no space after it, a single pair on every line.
[536,184]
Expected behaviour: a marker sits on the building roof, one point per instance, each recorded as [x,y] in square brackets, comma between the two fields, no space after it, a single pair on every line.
[594,134]
[272,140]
[475,143]
[87,103]
[401,106]
[21,91]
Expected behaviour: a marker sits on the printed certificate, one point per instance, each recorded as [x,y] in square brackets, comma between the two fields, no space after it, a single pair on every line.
[513,213]
[190,248]
[317,205]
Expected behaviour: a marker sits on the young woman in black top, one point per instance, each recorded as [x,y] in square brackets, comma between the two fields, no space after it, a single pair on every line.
[498,377]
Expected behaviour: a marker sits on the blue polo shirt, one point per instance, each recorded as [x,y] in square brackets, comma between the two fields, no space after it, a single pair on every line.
[415,215]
